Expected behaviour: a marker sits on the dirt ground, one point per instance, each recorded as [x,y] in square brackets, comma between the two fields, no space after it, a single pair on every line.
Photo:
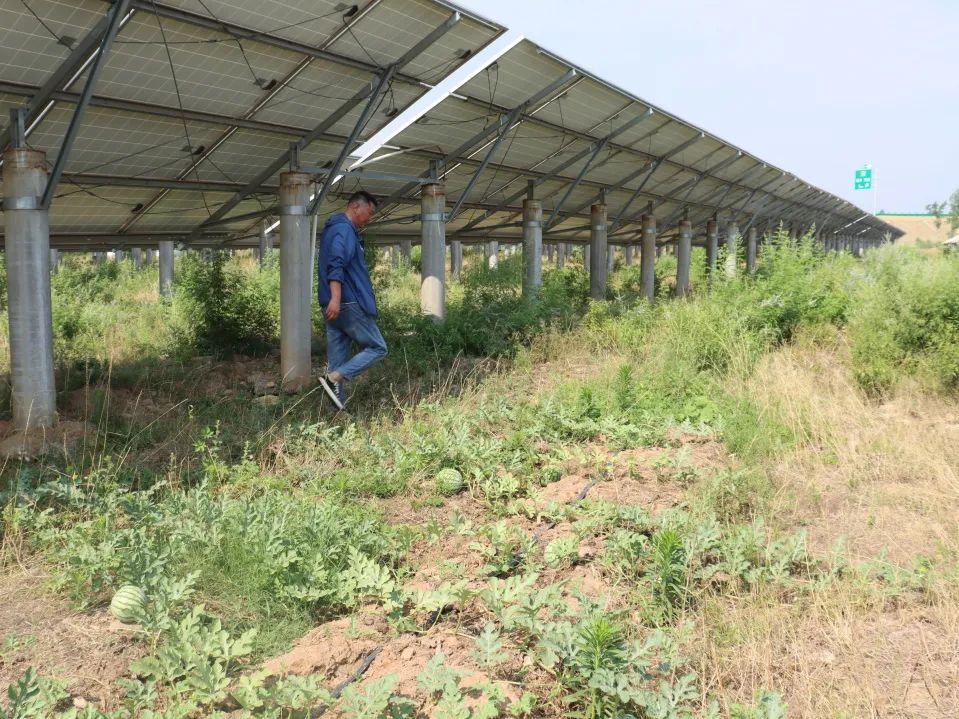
[87,650]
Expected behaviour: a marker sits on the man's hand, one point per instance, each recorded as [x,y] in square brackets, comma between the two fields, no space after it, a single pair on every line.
[333,306]
[332,309]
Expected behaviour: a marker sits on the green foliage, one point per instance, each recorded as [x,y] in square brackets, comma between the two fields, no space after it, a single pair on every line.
[906,320]
[230,310]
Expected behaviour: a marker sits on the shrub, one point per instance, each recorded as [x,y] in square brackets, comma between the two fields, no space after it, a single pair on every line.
[231,310]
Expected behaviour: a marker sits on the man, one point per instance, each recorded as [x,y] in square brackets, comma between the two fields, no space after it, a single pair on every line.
[346,296]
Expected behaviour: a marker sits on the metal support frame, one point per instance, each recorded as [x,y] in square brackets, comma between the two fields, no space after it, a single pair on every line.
[599,147]
[368,94]
[381,84]
[63,76]
[115,15]
[659,161]
[485,133]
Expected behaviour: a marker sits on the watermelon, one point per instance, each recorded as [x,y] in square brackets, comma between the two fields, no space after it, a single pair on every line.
[449,481]
[128,604]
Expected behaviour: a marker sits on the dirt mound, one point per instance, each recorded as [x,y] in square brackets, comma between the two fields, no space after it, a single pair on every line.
[88,650]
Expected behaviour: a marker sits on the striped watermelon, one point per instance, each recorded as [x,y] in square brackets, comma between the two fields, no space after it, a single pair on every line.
[448,481]
[128,604]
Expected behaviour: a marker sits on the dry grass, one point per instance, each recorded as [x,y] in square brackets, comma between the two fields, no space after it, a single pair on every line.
[883,477]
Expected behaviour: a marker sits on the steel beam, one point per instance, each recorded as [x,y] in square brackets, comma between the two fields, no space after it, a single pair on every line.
[329,122]
[115,15]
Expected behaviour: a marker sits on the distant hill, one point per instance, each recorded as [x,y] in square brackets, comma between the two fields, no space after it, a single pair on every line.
[920,229]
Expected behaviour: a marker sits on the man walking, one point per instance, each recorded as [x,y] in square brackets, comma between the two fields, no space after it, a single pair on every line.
[346,296]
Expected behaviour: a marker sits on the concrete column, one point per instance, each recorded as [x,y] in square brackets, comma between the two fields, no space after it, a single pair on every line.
[166,268]
[587,260]
[33,392]
[456,258]
[296,248]
[712,246]
[492,254]
[732,242]
[433,227]
[597,251]
[610,260]
[118,256]
[628,255]
[532,246]
[147,257]
[647,258]
[560,255]
[684,251]
[54,260]
[751,250]
[137,254]
[406,252]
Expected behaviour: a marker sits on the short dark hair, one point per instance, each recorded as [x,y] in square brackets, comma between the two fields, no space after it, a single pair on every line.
[363,196]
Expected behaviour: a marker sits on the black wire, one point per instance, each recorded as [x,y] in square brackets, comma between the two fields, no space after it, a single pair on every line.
[349,29]
[501,162]
[179,99]
[40,20]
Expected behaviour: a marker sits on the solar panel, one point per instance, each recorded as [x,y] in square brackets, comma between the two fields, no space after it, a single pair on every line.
[204,94]
[198,102]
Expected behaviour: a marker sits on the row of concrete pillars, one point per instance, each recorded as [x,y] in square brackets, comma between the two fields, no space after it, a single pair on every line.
[29,261]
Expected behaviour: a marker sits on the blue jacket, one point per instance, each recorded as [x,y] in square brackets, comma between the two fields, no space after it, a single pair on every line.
[341,258]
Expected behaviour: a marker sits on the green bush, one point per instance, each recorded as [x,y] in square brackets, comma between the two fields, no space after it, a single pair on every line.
[232,311]
[905,320]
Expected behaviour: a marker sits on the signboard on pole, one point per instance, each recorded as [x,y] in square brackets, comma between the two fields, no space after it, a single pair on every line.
[863,178]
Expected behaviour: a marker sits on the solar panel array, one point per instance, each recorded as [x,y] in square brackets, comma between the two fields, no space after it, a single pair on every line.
[200,98]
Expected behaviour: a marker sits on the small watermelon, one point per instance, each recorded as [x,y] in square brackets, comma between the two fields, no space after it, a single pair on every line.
[449,481]
[128,604]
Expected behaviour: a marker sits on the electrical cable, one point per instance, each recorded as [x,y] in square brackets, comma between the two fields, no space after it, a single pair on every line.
[40,20]
[179,99]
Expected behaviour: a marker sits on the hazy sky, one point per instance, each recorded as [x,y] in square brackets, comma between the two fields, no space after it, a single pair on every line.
[816,87]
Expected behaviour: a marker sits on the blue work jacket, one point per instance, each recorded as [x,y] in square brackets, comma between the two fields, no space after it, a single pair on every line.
[341,258]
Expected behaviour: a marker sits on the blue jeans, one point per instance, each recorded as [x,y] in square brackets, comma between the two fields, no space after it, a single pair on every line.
[352,325]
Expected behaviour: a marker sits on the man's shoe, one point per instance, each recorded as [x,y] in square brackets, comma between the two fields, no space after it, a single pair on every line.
[330,389]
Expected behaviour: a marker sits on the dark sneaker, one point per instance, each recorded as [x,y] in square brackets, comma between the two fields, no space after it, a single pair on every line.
[330,389]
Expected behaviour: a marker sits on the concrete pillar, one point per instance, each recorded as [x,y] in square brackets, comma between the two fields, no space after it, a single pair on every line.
[684,251]
[406,252]
[532,246]
[27,232]
[560,255]
[433,227]
[118,256]
[712,246]
[166,268]
[610,260]
[296,248]
[137,254]
[147,257]
[751,250]
[587,260]
[456,258]
[597,251]
[54,261]
[628,255]
[647,258]
[732,242]
[492,250]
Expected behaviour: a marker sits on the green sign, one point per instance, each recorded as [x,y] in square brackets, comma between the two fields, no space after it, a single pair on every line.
[863,179]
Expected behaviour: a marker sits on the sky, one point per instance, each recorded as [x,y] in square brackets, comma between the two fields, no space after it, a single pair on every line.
[816,87]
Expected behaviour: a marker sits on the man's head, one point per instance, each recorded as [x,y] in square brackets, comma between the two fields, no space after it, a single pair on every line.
[361,208]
